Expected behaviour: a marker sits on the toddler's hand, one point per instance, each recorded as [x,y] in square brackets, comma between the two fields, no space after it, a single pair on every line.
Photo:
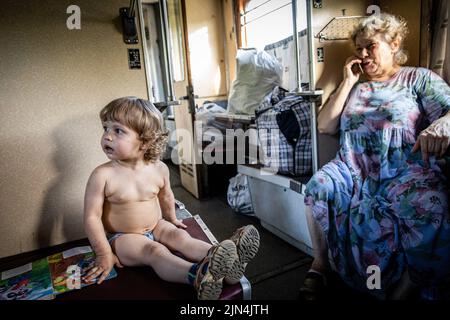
[102,267]
[178,223]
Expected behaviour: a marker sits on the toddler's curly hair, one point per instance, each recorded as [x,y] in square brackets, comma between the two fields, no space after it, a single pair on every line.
[144,118]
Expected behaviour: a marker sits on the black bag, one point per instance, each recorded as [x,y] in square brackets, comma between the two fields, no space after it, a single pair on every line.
[284,130]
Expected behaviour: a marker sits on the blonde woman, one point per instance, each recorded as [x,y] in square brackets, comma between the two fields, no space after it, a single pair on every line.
[383,201]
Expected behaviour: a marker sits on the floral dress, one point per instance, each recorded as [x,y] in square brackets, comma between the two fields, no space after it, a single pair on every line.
[377,202]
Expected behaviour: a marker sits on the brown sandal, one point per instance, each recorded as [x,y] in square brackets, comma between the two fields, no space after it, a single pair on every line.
[314,286]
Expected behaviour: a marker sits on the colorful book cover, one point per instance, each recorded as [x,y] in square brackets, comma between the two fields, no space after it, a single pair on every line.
[68,267]
[28,282]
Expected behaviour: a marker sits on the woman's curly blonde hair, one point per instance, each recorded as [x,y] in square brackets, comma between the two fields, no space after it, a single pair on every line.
[144,118]
[390,26]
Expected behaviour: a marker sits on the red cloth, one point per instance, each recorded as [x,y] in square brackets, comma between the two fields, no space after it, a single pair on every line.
[142,283]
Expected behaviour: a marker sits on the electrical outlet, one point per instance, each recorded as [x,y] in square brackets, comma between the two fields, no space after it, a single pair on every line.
[317,4]
[320,55]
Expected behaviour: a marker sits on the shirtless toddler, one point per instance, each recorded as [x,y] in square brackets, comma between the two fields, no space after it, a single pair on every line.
[129,210]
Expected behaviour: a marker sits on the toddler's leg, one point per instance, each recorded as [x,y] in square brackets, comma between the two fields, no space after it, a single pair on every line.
[177,239]
[246,240]
[215,261]
[137,250]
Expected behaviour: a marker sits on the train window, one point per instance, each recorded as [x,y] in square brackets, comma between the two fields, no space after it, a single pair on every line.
[154,51]
[258,14]
[163,49]
[278,40]
[176,38]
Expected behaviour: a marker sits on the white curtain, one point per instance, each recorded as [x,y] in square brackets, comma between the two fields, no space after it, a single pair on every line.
[283,50]
[440,47]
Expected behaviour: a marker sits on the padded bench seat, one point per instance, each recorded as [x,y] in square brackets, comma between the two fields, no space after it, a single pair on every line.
[133,283]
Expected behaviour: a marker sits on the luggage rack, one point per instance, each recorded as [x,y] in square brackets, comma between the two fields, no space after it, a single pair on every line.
[244,118]
[339,28]
[310,94]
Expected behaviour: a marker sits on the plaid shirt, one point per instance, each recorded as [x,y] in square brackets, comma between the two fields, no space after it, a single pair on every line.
[278,154]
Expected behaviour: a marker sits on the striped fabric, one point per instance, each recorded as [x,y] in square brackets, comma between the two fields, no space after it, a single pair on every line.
[284,131]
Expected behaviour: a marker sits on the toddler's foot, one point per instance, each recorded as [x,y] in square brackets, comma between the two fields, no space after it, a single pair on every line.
[246,240]
[212,270]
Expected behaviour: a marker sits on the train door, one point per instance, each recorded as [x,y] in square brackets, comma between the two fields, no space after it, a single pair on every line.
[189,49]
[168,79]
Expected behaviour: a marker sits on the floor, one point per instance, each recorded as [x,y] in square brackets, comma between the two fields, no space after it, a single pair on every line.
[278,270]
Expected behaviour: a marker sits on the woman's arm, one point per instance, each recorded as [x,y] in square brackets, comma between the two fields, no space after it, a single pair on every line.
[329,115]
[434,97]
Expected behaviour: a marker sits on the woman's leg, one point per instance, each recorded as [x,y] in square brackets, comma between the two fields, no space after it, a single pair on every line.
[313,286]
[319,243]
[327,200]
[424,224]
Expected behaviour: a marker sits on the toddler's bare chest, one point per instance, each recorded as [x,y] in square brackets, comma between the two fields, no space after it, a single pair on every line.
[131,190]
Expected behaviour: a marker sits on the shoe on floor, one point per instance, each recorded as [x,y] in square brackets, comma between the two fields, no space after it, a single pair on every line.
[314,286]
[246,240]
[213,268]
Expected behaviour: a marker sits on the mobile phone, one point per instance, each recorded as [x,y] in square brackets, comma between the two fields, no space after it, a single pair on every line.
[357,68]
[360,68]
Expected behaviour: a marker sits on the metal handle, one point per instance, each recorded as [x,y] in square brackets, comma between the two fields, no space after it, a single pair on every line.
[312,88]
[166,48]
[187,97]
[161,106]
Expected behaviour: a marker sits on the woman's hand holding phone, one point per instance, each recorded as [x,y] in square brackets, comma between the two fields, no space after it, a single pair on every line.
[352,69]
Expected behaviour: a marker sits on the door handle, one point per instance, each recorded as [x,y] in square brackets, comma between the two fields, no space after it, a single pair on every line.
[187,97]
[161,106]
